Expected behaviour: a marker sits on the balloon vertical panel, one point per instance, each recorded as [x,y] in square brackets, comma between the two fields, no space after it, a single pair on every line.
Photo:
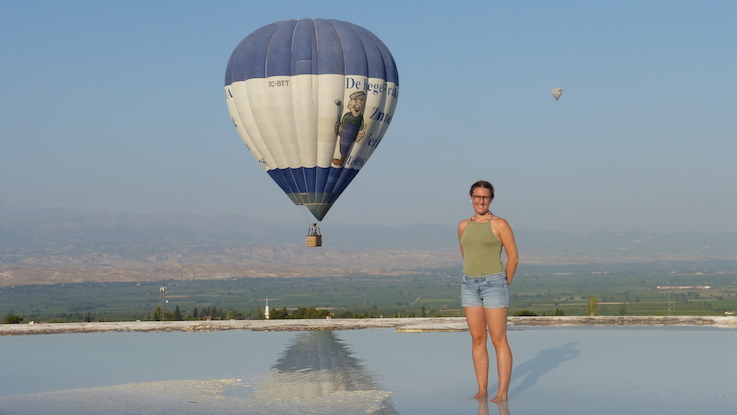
[311,99]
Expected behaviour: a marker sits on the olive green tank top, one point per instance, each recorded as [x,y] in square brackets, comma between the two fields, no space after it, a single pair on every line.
[482,250]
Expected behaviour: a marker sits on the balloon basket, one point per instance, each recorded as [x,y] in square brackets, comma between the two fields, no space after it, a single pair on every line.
[314,238]
[314,241]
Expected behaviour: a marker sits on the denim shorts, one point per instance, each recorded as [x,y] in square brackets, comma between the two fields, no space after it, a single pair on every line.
[490,291]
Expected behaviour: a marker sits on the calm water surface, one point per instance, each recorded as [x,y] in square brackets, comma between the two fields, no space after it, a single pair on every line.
[556,371]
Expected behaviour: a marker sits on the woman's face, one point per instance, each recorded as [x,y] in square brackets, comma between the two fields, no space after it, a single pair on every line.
[481,199]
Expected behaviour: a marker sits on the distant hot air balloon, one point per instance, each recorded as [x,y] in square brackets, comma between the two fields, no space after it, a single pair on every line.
[557,92]
[312,99]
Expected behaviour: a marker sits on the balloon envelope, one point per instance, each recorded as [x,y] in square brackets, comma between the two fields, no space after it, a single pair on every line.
[312,99]
[557,92]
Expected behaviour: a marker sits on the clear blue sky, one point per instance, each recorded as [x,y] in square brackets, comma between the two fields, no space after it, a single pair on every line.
[119,106]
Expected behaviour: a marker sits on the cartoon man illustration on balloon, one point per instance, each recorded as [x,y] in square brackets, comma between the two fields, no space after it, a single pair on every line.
[351,127]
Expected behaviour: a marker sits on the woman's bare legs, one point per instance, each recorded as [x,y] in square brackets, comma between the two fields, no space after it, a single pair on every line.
[496,318]
[478,319]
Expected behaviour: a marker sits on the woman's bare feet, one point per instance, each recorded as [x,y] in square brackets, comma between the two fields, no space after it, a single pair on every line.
[481,395]
[500,398]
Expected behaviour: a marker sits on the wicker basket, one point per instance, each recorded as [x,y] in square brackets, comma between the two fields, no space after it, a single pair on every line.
[314,241]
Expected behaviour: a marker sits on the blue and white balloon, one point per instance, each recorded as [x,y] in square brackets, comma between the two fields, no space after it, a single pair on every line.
[312,100]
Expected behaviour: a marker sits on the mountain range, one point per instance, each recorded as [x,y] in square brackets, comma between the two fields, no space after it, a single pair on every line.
[44,245]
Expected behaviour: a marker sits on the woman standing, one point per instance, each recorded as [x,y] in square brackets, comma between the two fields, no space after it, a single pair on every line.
[484,290]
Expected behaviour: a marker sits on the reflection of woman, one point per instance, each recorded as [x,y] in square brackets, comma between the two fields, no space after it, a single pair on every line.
[484,290]
[502,406]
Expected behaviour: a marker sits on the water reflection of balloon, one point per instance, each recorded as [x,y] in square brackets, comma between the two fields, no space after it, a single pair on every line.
[312,99]
[557,92]
[318,365]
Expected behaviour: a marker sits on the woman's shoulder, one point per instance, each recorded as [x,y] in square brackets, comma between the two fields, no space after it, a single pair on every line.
[463,223]
[500,222]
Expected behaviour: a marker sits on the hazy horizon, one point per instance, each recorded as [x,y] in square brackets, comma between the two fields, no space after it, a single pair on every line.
[119,107]
[298,225]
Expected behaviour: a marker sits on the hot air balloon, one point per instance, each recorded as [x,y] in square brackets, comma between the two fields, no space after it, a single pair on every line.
[312,100]
[557,92]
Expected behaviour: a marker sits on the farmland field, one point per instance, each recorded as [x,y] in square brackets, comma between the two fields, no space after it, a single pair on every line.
[670,288]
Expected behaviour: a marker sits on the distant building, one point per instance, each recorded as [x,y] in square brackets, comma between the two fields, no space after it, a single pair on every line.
[683,287]
[266,310]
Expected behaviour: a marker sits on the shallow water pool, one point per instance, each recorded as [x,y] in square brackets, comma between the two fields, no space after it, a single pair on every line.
[557,371]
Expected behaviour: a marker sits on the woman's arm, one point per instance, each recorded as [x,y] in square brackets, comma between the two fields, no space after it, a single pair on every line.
[506,236]
[461,228]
